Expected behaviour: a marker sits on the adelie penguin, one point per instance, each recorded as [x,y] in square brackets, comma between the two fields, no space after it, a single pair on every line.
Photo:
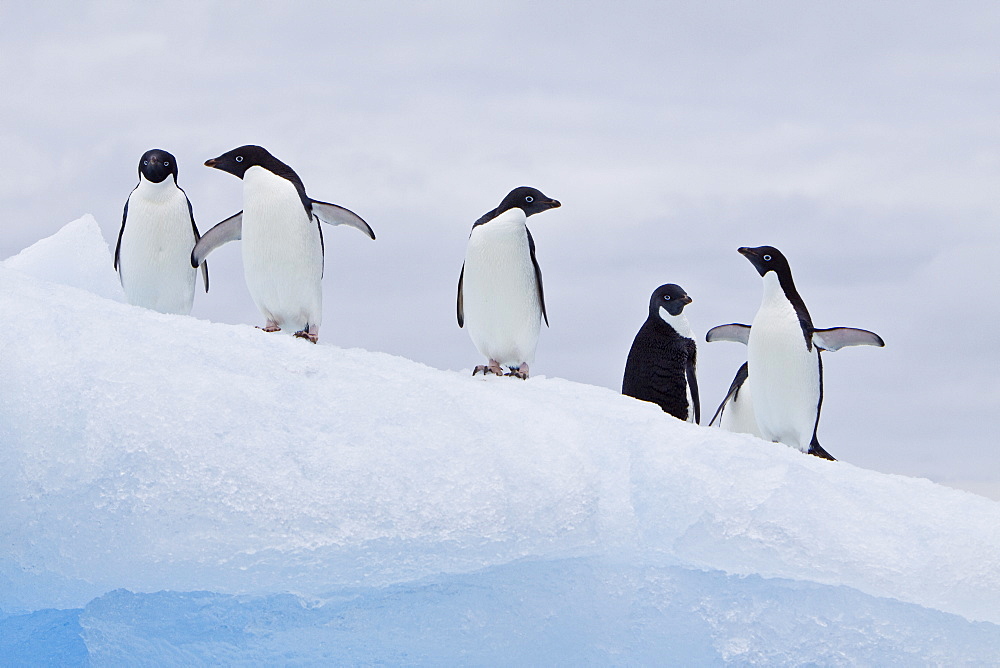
[784,366]
[282,239]
[157,235]
[500,293]
[661,363]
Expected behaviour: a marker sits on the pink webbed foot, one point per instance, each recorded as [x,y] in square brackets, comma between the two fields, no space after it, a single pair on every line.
[493,367]
[311,333]
[519,372]
[270,326]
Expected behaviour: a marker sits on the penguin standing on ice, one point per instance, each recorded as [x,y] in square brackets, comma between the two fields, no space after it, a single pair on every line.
[156,238]
[784,367]
[282,239]
[661,363]
[500,288]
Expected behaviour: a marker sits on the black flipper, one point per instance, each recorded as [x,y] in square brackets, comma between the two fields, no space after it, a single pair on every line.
[118,246]
[197,238]
[692,380]
[734,390]
[460,305]
[538,276]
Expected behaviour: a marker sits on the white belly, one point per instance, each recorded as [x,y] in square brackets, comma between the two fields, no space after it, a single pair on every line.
[784,375]
[282,255]
[154,261]
[500,291]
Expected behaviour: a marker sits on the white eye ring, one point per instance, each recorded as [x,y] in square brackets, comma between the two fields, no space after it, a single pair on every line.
[145,162]
[767,258]
[529,198]
[239,158]
[166,163]
[666,297]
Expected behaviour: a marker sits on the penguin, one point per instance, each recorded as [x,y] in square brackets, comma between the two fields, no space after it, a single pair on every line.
[500,286]
[282,239]
[735,413]
[157,235]
[784,367]
[661,363]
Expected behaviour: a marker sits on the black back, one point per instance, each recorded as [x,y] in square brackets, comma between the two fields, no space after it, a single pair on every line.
[661,362]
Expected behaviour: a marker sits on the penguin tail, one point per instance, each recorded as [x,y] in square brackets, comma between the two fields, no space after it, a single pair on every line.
[816,449]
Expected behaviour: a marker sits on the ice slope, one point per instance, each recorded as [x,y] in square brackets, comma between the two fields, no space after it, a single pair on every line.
[187,493]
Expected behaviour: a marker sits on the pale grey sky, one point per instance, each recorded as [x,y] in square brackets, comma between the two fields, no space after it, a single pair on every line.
[859,138]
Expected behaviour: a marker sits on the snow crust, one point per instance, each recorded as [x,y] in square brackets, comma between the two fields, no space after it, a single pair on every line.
[183,492]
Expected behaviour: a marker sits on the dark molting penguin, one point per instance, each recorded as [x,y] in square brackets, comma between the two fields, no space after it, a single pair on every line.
[156,238]
[785,370]
[661,363]
[500,287]
[282,239]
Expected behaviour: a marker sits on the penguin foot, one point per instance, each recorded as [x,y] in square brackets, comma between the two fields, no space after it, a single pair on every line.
[519,372]
[493,367]
[271,326]
[308,336]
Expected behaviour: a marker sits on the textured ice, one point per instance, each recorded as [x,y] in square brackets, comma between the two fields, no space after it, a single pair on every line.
[178,492]
[77,255]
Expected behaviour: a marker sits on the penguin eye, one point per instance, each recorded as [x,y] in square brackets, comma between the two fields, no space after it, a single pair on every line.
[767,258]
[166,163]
[145,162]
[666,298]
[239,158]
[529,198]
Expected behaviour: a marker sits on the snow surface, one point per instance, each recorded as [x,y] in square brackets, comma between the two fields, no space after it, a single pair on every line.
[180,492]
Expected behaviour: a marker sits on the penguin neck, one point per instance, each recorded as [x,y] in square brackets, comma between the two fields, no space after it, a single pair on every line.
[156,191]
[678,322]
[510,216]
[510,220]
[780,293]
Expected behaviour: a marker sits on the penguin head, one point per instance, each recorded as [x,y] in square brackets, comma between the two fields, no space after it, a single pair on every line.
[670,297]
[239,160]
[765,259]
[530,200]
[156,165]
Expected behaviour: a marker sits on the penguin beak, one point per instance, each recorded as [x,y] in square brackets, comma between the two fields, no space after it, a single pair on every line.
[746,252]
[211,163]
[686,299]
[553,204]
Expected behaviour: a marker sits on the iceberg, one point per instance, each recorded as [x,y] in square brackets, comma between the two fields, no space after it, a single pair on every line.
[182,492]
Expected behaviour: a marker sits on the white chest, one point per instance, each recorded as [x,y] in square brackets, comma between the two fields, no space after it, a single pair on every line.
[158,215]
[678,322]
[500,290]
[784,374]
[154,258]
[282,252]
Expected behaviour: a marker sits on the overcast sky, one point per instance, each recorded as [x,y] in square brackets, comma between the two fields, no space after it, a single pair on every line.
[862,139]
